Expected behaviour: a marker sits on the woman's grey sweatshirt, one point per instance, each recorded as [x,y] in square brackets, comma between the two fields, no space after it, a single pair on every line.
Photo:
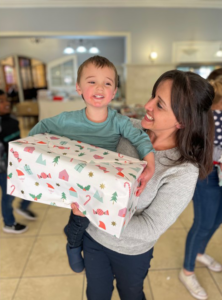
[164,198]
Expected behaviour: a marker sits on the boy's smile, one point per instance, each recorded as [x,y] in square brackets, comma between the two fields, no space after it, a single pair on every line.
[97,86]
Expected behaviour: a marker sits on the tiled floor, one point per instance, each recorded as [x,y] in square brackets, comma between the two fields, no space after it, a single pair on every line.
[33,265]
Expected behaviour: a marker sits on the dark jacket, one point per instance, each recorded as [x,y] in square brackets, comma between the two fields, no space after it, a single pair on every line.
[9,131]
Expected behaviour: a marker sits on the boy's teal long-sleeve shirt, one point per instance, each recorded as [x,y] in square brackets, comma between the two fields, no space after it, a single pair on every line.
[75,126]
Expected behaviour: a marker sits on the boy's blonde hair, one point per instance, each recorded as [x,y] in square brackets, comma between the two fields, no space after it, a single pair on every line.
[99,62]
[217,85]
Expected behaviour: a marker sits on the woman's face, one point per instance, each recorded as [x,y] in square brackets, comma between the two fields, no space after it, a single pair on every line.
[159,115]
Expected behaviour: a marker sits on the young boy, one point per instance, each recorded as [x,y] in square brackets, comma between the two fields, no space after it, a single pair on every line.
[9,131]
[100,126]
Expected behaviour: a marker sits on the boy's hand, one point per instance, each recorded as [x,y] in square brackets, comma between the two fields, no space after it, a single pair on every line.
[76,211]
[147,173]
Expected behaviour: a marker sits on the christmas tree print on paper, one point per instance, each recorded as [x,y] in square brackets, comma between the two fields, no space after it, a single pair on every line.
[40,160]
[114,197]
[98,197]
[36,197]
[86,188]
[56,160]
[28,170]
[105,153]
[80,167]
[63,196]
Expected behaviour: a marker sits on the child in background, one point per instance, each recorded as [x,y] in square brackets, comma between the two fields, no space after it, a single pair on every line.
[9,131]
[100,126]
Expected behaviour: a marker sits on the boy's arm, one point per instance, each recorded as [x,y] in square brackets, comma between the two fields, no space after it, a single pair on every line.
[52,125]
[139,139]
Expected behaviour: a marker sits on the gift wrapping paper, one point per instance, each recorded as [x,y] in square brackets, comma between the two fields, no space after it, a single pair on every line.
[57,171]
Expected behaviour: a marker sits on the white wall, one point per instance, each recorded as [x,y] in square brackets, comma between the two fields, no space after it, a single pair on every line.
[50,49]
[150,28]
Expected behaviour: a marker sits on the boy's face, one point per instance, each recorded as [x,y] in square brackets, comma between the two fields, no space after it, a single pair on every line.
[97,85]
[5,107]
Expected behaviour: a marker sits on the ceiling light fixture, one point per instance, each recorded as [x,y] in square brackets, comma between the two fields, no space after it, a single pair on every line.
[94,50]
[68,50]
[81,48]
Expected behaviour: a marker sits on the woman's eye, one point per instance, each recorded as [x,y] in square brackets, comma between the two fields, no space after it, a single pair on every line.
[158,104]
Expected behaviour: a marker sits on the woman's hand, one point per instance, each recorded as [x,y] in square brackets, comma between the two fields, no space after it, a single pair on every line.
[76,211]
[144,178]
[147,173]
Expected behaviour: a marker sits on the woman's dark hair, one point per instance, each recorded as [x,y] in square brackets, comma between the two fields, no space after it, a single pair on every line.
[214,74]
[191,100]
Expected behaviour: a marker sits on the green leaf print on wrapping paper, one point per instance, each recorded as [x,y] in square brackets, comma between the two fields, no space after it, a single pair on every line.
[63,143]
[36,197]
[81,154]
[86,188]
[132,175]
[80,147]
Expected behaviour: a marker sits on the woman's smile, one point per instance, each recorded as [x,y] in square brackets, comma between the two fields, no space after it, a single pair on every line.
[148,118]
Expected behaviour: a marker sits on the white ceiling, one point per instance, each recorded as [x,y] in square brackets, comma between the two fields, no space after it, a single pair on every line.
[111,3]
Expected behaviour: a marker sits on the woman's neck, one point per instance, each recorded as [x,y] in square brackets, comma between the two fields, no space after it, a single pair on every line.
[162,141]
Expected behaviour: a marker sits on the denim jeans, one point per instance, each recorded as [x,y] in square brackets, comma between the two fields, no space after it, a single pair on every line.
[207,203]
[104,265]
[75,230]
[7,209]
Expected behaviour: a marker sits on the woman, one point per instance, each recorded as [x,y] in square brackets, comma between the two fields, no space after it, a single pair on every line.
[178,122]
[207,202]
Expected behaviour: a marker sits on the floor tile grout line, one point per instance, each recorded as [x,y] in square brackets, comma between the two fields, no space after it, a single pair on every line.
[36,236]
[184,226]
[83,286]
[150,287]
[215,282]
[173,269]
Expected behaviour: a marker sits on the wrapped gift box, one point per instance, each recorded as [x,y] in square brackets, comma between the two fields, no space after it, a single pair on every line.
[57,171]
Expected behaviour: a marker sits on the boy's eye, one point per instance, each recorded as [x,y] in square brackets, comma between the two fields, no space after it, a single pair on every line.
[108,83]
[92,82]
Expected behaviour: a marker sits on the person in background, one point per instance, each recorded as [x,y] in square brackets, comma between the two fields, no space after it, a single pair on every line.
[207,202]
[179,123]
[9,131]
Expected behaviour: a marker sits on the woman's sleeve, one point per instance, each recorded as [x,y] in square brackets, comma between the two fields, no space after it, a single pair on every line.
[171,199]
